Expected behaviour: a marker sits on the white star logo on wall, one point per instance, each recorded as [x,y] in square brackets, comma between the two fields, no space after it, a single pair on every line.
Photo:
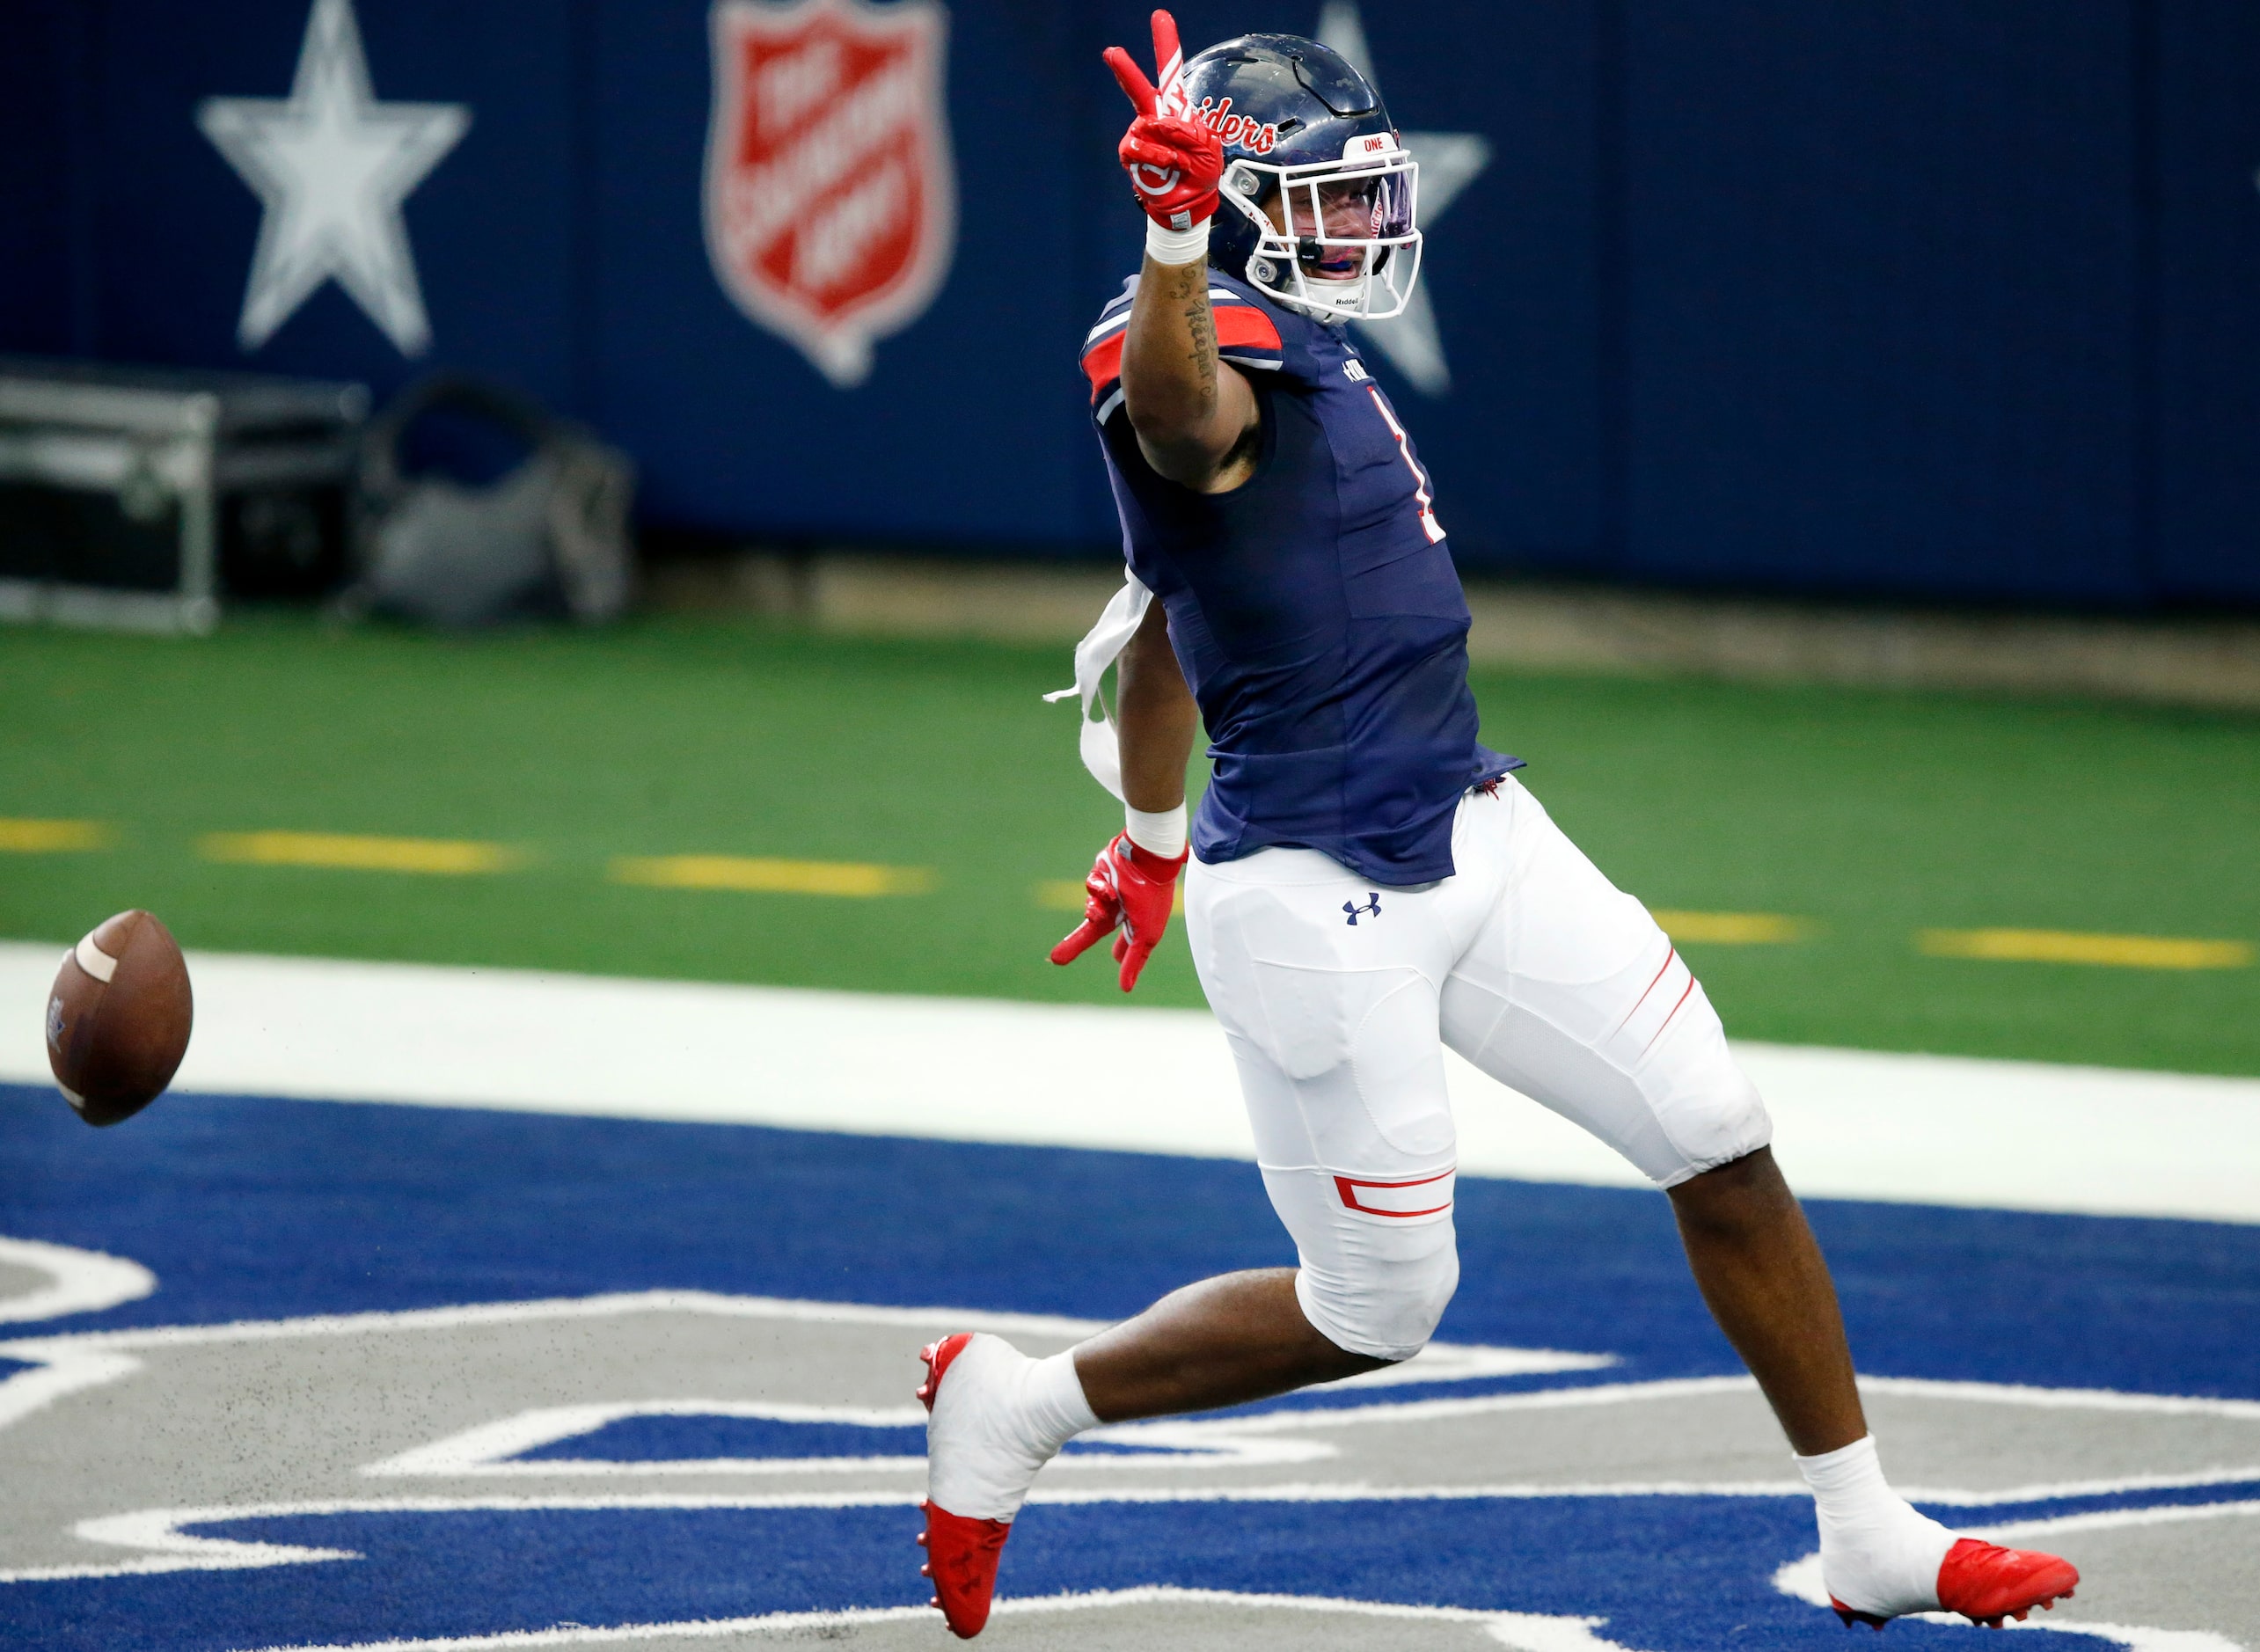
[333,165]
[1449,163]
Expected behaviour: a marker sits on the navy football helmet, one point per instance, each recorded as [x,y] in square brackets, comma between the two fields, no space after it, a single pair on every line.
[1320,194]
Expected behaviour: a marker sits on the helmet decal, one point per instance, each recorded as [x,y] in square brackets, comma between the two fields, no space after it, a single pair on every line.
[1237,131]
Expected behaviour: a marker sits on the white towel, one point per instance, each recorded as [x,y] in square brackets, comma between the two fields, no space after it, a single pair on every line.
[1098,650]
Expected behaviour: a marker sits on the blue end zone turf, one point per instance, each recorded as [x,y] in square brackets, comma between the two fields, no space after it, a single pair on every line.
[678,1439]
[1688,1574]
[256,1209]
[666,1439]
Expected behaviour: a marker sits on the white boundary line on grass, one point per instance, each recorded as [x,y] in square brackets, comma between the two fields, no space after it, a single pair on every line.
[1849,1124]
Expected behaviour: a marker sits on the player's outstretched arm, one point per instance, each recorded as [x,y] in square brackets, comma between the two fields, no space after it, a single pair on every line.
[1194,415]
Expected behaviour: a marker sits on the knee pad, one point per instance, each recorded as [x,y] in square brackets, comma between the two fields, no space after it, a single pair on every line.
[1382,1299]
[1708,1110]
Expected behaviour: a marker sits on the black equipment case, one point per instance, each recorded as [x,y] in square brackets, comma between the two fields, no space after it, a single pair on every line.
[139,497]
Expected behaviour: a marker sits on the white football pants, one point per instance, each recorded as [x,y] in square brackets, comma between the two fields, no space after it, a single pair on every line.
[1338,998]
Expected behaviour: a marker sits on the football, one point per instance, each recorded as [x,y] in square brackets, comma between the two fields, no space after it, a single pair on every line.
[117,1018]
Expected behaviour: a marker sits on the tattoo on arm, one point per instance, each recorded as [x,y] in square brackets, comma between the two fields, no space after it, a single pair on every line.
[1175,381]
[1193,293]
[1204,328]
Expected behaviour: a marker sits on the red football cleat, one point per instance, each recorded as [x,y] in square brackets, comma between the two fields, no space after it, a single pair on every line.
[961,1557]
[962,1553]
[1985,1583]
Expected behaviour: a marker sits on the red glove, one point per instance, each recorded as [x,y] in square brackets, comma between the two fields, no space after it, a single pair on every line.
[1174,161]
[1130,887]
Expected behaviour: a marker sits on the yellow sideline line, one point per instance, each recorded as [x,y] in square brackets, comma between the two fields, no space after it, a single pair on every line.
[53,837]
[1732,929]
[2058,946]
[1058,894]
[762,874]
[430,855]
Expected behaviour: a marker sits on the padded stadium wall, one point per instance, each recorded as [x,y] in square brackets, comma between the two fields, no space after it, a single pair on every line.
[1939,301]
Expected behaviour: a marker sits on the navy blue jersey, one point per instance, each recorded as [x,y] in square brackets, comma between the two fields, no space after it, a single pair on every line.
[1315,609]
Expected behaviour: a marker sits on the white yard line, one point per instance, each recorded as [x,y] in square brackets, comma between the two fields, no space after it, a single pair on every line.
[1850,1123]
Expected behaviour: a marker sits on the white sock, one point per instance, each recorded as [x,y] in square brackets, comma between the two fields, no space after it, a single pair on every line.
[1000,1418]
[1877,1553]
[1054,1410]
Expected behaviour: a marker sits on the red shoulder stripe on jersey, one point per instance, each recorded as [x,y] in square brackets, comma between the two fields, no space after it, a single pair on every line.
[1238,327]
[1102,363]
[1243,325]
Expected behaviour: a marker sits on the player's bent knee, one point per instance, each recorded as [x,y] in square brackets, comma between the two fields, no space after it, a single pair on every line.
[1708,1111]
[1384,1307]
[1730,1125]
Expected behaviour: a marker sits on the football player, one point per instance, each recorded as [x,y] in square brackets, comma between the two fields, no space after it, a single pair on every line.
[1367,884]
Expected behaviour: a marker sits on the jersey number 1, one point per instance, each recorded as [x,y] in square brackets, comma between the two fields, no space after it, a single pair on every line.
[1422,500]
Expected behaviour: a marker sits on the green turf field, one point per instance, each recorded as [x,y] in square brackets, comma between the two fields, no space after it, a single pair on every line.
[1867,816]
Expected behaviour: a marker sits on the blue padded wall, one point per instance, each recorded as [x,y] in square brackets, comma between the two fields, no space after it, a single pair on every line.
[1882,321]
[45,127]
[970,427]
[2208,438]
[1939,301]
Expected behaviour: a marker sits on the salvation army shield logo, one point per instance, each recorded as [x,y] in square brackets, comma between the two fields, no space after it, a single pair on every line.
[831,201]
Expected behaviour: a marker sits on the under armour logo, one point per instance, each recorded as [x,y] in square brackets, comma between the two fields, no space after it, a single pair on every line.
[1371,908]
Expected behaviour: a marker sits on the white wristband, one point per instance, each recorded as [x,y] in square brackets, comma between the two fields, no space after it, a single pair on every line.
[1176,246]
[1162,834]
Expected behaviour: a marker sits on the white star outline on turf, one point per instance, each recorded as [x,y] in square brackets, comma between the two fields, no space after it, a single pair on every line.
[333,165]
[311,1467]
[1449,161]
[129,1363]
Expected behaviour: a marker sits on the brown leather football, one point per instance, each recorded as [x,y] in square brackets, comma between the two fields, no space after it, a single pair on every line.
[118,1020]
